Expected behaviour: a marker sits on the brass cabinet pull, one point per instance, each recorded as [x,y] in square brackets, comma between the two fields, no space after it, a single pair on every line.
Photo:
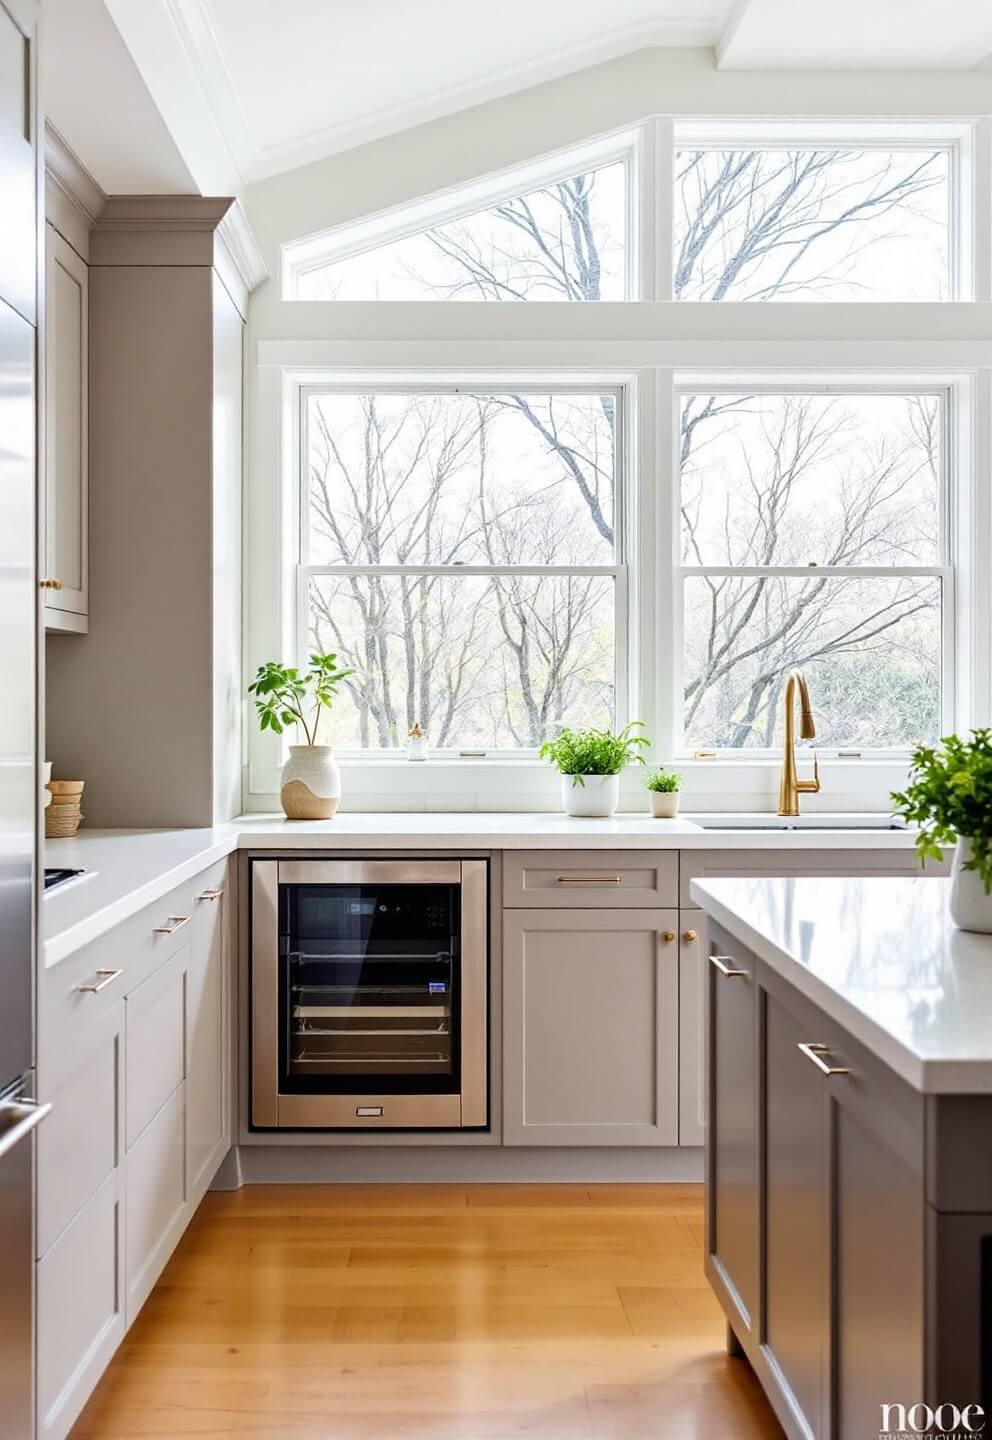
[590,879]
[815,1052]
[210,894]
[725,965]
[107,978]
[50,584]
[668,936]
[174,923]
[27,1115]
[690,937]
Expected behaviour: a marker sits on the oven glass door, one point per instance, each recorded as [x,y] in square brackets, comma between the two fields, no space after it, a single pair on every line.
[369,989]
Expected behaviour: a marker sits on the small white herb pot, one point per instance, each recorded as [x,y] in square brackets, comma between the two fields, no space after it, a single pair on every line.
[664,804]
[590,795]
[971,908]
[311,783]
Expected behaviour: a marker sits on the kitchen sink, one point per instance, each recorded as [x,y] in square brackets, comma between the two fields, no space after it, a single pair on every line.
[797,822]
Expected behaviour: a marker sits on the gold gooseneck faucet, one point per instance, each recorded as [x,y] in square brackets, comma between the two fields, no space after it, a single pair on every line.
[791,787]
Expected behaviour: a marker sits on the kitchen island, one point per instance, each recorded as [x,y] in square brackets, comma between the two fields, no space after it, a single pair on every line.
[848,1156]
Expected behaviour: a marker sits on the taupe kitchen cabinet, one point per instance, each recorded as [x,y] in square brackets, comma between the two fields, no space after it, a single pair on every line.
[590,1027]
[816,1216]
[65,498]
[134,1055]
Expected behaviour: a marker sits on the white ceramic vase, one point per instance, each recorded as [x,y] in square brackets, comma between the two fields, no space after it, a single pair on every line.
[664,804]
[971,908]
[311,783]
[590,795]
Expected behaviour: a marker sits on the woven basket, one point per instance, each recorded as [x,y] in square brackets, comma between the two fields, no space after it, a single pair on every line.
[62,821]
[64,814]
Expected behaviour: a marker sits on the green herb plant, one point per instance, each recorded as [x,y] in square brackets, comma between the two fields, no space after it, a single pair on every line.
[285,696]
[949,795]
[595,752]
[665,782]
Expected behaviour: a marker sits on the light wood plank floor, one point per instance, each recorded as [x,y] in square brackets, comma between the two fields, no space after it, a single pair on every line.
[381,1312]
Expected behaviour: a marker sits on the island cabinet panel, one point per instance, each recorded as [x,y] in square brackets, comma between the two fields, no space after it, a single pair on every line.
[590,1027]
[816,1203]
[796,1216]
[732,1178]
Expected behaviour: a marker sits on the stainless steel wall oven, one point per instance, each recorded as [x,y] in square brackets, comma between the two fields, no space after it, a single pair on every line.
[369,994]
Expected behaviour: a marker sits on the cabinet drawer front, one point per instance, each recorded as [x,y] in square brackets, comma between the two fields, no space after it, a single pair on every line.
[79,1144]
[85,986]
[80,1311]
[698,864]
[590,1028]
[156,1043]
[593,879]
[156,1200]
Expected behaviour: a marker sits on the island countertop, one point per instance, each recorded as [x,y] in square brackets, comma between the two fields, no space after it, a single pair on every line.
[882,958]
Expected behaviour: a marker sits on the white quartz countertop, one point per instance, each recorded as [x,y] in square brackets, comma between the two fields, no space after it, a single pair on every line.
[129,869]
[882,958]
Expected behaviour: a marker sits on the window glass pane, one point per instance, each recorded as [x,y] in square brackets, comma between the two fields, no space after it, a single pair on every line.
[481,662]
[564,241]
[809,224]
[800,479]
[869,647]
[401,479]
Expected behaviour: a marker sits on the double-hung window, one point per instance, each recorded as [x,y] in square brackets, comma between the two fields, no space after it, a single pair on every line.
[813,533]
[463,549]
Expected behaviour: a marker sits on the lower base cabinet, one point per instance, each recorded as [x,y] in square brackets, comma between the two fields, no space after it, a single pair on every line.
[81,1307]
[590,1027]
[821,1244]
[155,1213]
[140,1123]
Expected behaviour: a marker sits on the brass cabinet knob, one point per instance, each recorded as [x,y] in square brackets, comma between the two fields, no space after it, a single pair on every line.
[689,936]
[668,936]
[50,584]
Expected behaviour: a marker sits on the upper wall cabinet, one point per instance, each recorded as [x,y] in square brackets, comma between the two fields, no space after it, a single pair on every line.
[64,577]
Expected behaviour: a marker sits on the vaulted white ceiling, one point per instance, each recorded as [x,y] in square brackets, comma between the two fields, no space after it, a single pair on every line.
[279,83]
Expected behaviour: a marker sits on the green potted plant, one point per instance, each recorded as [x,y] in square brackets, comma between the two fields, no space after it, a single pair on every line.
[286,697]
[590,762]
[663,788]
[949,796]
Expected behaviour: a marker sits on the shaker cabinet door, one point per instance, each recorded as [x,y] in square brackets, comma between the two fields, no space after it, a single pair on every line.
[66,437]
[590,1052]
[732,1214]
[796,1214]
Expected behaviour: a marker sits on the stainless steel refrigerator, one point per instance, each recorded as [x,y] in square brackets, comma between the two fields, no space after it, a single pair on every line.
[19,1113]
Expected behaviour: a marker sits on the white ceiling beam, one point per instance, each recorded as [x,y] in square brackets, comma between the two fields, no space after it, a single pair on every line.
[160,47]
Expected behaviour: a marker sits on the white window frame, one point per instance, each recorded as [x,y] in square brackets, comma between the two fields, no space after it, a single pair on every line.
[954,139]
[315,252]
[943,569]
[621,571]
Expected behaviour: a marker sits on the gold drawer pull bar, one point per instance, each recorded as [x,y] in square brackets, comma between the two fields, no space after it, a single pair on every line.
[210,894]
[590,879]
[107,978]
[174,923]
[815,1052]
[725,965]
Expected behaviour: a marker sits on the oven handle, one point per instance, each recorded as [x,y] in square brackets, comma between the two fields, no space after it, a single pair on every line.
[369,872]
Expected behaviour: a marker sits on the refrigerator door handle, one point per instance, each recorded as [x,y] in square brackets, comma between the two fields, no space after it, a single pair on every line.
[25,1116]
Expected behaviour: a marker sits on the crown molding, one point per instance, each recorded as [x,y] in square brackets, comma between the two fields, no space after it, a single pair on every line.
[242,247]
[65,169]
[197,32]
